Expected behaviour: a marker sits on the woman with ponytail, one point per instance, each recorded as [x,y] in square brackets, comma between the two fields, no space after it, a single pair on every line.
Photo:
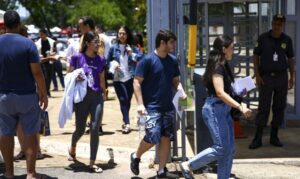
[216,111]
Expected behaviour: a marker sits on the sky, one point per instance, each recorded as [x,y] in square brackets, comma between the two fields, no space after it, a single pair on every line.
[24,14]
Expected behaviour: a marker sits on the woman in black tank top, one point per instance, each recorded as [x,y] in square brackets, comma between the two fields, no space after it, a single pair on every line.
[216,112]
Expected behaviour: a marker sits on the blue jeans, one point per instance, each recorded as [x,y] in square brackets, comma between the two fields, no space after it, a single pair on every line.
[124,92]
[216,115]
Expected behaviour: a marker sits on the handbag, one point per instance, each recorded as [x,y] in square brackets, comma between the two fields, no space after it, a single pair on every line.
[45,125]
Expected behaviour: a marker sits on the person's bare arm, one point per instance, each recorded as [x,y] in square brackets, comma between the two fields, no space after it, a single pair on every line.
[40,82]
[70,69]
[226,98]
[177,85]
[138,94]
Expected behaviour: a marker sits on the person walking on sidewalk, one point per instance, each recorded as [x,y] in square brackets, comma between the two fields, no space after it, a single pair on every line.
[20,133]
[57,68]
[123,57]
[92,104]
[216,112]
[273,56]
[155,78]
[45,46]
[87,24]
[21,78]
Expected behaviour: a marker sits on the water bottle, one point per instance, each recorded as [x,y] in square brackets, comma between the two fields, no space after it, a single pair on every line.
[141,124]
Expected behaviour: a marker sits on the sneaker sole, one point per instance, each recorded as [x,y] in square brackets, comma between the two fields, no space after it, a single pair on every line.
[185,174]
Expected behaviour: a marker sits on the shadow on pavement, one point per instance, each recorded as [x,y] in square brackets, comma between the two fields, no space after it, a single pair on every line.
[78,166]
[24,177]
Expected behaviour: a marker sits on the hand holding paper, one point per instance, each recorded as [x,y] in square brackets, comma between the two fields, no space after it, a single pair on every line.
[242,84]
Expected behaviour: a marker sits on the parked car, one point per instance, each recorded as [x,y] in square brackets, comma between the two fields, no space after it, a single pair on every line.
[112,35]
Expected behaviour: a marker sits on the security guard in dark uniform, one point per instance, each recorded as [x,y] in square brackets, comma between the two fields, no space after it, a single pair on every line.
[273,57]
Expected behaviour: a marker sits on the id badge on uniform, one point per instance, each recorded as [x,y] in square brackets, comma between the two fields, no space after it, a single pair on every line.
[275,57]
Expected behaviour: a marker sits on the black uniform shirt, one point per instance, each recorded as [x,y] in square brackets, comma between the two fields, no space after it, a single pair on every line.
[267,46]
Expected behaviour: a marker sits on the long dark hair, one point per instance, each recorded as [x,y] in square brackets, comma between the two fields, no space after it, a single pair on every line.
[216,58]
[87,38]
[129,39]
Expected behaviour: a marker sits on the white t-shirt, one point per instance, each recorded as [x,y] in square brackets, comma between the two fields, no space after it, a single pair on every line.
[124,65]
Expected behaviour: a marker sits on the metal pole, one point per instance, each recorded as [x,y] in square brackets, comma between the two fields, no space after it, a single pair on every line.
[183,147]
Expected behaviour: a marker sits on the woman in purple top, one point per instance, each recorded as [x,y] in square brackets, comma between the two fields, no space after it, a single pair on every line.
[92,103]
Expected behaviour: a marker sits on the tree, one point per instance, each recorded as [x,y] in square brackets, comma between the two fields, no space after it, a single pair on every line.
[6,4]
[135,13]
[105,12]
[110,13]
[45,13]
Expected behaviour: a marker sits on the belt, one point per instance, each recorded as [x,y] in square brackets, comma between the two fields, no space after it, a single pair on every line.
[275,73]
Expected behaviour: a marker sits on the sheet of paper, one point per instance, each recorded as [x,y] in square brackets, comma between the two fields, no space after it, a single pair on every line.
[243,83]
[113,66]
[179,94]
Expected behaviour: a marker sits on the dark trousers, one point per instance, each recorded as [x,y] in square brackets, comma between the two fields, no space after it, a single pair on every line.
[124,92]
[48,71]
[275,87]
[57,68]
[92,104]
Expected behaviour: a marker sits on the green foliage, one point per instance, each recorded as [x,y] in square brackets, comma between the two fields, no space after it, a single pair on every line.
[7,4]
[104,12]
[110,13]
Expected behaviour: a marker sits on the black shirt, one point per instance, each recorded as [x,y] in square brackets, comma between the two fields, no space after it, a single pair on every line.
[220,70]
[267,46]
[45,47]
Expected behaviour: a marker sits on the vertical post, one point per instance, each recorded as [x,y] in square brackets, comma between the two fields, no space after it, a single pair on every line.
[157,18]
[183,147]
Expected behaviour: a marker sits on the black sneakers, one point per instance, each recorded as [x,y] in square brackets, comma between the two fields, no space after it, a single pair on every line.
[134,164]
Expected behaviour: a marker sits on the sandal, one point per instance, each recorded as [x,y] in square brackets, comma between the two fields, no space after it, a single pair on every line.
[40,176]
[71,157]
[39,155]
[20,156]
[95,169]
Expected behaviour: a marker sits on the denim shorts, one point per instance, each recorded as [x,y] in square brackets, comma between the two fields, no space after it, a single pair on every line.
[159,124]
[23,109]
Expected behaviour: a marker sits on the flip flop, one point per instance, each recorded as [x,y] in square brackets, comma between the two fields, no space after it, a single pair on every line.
[39,155]
[95,169]
[40,176]
[71,157]
[20,156]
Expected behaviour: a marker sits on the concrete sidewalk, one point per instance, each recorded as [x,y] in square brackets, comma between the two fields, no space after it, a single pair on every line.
[266,162]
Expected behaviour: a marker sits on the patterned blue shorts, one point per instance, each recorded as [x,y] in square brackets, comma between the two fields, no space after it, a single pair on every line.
[159,124]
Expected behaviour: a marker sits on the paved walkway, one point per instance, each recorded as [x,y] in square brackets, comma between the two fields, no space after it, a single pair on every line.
[266,162]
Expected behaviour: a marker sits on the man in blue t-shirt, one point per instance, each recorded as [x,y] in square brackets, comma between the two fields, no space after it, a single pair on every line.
[155,77]
[21,78]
